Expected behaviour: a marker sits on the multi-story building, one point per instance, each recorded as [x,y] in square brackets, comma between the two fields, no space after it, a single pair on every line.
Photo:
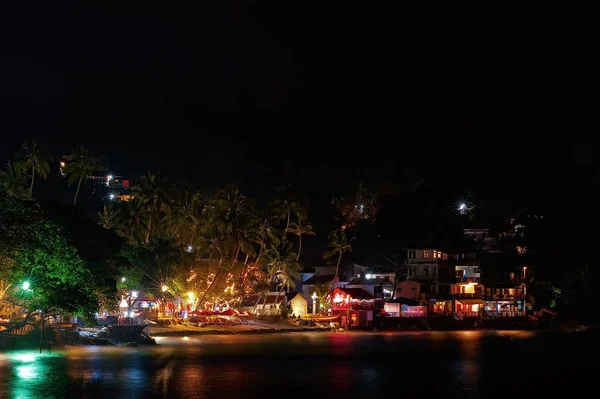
[427,276]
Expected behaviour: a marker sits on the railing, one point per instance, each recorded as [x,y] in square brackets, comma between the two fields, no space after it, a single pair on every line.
[472,279]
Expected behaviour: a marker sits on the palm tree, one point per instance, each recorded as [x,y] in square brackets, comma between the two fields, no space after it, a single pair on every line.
[108,217]
[338,245]
[34,159]
[83,165]
[12,181]
[132,223]
[284,206]
[300,228]
[281,261]
[267,233]
[188,218]
[230,211]
[153,193]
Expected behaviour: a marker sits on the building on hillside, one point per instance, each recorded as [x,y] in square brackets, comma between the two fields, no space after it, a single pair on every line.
[299,303]
[505,284]
[427,276]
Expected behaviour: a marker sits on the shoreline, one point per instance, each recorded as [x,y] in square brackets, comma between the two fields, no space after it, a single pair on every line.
[182,333]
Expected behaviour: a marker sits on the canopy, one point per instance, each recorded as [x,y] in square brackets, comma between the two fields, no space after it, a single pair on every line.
[228,312]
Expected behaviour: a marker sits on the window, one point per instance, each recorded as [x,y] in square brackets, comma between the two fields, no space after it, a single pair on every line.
[426,272]
[512,276]
[439,255]
[425,254]
[435,253]
[434,271]
[412,254]
[445,256]
[413,290]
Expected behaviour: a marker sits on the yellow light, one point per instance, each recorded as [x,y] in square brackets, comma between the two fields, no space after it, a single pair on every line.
[62,164]
[314,295]
[190,295]
[164,288]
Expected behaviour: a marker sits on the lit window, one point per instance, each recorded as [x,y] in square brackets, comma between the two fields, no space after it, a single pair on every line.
[435,254]
[425,254]
[439,255]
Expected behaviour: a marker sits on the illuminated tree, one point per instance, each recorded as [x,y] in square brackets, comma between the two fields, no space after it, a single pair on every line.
[35,251]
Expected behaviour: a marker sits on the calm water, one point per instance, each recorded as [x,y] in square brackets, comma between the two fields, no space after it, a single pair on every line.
[428,364]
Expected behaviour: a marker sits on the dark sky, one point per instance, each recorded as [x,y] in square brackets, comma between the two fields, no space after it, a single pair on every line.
[316,95]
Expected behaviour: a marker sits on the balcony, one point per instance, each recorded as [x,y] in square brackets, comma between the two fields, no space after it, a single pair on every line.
[474,279]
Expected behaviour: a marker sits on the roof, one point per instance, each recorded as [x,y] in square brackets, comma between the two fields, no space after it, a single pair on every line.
[356,293]
[293,294]
[471,301]
[368,281]
[272,298]
[319,279]
[404,301]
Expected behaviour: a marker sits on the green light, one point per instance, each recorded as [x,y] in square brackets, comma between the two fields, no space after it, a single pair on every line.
[26,285]
[27,372]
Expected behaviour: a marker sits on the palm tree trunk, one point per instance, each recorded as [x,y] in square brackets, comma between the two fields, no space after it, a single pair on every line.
[32,179]
[299,247]
[258,256]
[269,289]
[280,291]
[246,261]
[237,252]
[337,268]
[288,221]
[148,231]
[256,304]
[77,191]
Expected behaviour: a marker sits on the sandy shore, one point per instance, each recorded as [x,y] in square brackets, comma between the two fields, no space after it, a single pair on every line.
[183,330]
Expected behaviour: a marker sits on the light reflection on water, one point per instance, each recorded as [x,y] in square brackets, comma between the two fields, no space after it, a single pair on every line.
[428,364]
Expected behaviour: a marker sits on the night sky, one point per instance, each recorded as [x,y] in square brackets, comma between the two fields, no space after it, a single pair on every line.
[319,97]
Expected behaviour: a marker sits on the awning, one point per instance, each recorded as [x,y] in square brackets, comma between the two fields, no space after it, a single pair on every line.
[471,301]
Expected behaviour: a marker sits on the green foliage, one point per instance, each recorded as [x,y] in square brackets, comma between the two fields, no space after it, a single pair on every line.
[36,251]
[286,310]
[12,181]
